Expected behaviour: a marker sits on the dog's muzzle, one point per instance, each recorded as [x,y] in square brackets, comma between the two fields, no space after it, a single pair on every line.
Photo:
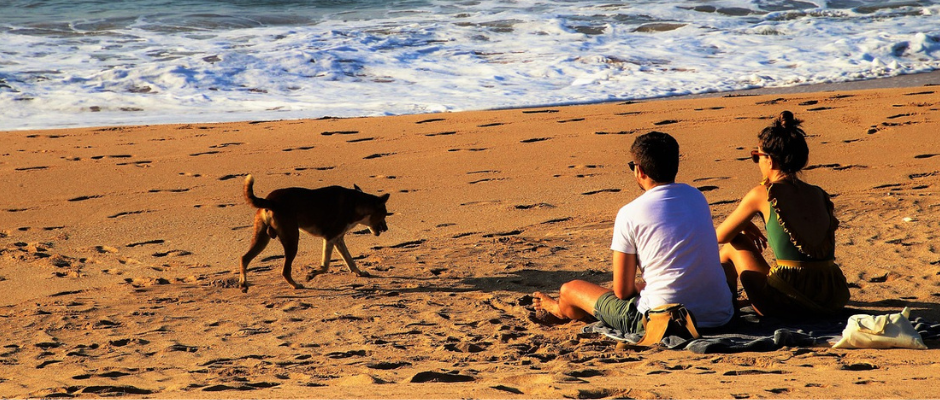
[378,230]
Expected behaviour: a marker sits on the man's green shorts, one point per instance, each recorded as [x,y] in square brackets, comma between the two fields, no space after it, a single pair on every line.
[618,313]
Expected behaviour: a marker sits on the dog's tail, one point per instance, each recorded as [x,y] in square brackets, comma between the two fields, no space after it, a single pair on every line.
[255,201]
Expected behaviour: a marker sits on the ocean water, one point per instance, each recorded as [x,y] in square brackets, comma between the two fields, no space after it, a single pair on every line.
[74,63]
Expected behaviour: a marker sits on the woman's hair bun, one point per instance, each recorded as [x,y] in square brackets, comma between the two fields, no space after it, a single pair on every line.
[787,121]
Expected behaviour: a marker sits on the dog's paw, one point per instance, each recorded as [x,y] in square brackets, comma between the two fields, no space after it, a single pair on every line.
[364,274]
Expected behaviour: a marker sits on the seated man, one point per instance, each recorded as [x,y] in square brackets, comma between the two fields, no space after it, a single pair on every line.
[667,233]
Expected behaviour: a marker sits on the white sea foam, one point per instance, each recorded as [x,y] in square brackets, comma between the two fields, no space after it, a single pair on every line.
[195,62]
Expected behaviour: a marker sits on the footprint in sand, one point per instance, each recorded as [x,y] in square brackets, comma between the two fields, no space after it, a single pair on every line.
[83,198]
[297,148]
[387,366]
[503,234]
[331,133]
[531,206]
[919,93]
[593,192]
[377,155]
[614,133]
[146,282]
[707,188]
[205,153]
[809,103]
[233,176]
[144,243]
[722,202]
[440,377]
[921,156]
[425,121]
[533,140]
[564,121]
[819,109]
[32,168]
[540,111]
[483,180]
[112,156]
[748,372]
[896,116]
[491,124]
[142,163]
[711,179]
[183,190]
[298,169]
[224,145]
[175,253]
[666,122]
[448,133]
[465,347]
[771,102]
[911,176]
[834,167]
[126,213]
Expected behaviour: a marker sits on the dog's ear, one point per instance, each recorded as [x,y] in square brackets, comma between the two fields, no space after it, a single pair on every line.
[384,197]
[355,186]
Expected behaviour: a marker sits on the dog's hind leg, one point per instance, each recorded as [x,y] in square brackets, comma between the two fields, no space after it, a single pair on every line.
[289,238]
[259,241]
[347,258]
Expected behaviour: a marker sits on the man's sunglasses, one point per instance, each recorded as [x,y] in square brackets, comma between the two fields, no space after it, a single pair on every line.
[755,155]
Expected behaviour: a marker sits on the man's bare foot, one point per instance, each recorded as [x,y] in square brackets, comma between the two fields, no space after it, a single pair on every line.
[546,310]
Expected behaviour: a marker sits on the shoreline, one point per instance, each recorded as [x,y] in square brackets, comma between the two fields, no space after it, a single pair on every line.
[923,79]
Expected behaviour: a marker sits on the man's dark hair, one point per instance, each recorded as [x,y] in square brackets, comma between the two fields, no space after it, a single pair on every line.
[658,154]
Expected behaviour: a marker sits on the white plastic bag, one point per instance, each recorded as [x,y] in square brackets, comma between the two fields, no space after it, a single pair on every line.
[880,332]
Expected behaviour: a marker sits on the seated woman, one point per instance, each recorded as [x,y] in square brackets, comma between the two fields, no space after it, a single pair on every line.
[800,226]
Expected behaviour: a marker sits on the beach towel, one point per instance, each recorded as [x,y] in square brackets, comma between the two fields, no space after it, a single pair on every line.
[750,332]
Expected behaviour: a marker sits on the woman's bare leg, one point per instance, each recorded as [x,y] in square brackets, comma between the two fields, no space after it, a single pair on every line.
[748,265]
[576,300]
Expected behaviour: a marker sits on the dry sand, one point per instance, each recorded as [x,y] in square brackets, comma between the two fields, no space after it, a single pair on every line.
[118,247]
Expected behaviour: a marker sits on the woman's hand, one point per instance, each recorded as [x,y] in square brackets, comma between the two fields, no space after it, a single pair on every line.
[754,235]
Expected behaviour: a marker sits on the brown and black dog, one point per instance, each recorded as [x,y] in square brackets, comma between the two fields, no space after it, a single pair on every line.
[328,212]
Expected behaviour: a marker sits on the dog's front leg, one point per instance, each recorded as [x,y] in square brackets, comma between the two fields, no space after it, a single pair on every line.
[325,261]
[347,258]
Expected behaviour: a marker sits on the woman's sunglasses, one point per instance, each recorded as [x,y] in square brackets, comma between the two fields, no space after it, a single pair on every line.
[755,155]
[632,165]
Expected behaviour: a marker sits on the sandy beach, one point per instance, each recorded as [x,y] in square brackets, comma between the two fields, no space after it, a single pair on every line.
[119,248]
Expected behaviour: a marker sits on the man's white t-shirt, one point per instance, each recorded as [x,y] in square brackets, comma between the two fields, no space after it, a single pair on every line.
[669,228]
